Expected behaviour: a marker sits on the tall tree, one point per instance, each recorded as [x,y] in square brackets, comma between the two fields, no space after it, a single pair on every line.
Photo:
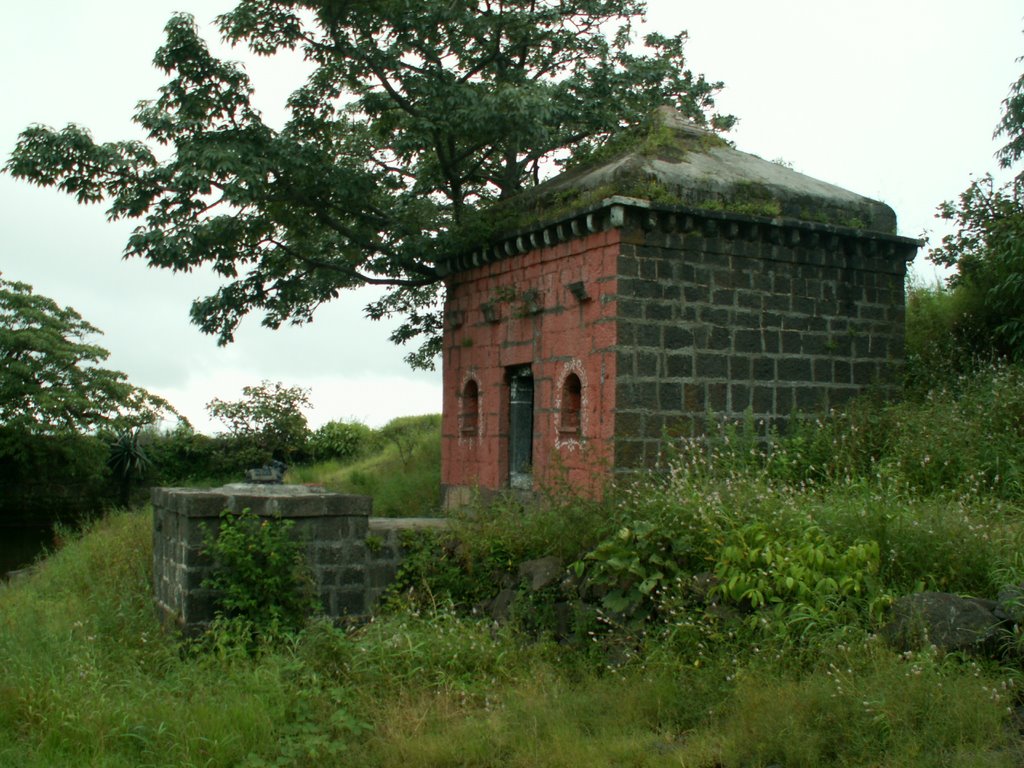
[267,422]
[417,117]
[51,378]
[987,247]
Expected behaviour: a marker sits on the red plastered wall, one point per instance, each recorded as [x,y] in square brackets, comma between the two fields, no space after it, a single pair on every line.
[554,332]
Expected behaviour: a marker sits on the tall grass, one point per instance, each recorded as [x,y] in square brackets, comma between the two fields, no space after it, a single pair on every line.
[89,678]
[400,470]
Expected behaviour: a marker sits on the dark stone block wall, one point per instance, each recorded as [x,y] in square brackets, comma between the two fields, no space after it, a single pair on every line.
[730,315]
[353,557]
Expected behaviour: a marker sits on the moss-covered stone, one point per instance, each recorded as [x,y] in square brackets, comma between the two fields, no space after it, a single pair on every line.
[672,161]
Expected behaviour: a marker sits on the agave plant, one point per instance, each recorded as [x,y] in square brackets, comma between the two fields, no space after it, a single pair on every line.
[127,460]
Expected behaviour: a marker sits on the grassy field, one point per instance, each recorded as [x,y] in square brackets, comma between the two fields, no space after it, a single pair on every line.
[401,470]
[881,499]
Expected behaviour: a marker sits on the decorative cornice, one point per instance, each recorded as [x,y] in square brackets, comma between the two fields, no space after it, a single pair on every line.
[618,212]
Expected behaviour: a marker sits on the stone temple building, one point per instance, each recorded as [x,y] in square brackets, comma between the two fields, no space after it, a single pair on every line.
[637,296]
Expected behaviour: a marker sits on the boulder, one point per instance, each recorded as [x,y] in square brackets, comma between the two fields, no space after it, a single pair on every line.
[1011,603]
[542,572]
[501,605]
[949,622]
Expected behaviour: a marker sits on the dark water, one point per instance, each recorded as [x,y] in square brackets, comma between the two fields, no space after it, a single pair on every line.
[21,545]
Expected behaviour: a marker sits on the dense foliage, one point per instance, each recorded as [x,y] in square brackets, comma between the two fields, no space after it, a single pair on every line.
[826,528]
[340,440]
[397,465]
[266,423]
[416,116]
[51,376]
[58,402]
[987,250]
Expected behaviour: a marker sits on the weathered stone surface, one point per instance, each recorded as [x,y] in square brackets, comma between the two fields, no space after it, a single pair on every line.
[949,622]
[541,573]
[501,605]
[349,574]
[701,169]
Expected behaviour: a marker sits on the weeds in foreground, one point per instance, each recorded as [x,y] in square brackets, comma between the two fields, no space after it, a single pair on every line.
[91,680]
[820,527]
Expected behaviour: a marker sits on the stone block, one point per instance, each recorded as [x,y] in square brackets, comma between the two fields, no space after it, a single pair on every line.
[747,341]
[712,366]
[678,337]
[648,335]
[659,311]
[823,371]
[679,366]
[200,505]
[809,399]
[696,294]
[670,396]
[763,400]
[380,575]
[348,602]
[351,576]
[693,398]
[842,372]
[716,317]
[740,367]
[629,453]
[791,343]
[739,397]
[794,369]
[329,553]
[329,529]
[717,395]
[865,373]
[629,423]
[803,305]
[724,298]
[763,368]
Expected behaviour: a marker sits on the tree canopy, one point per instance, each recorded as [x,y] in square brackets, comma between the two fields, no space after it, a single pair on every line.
[267,421]
[51,380]
[987,247]
[416,119]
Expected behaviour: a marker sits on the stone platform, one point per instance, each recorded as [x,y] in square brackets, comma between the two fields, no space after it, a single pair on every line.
[353,557]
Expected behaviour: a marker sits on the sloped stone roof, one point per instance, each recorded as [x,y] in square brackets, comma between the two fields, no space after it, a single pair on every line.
[678,162]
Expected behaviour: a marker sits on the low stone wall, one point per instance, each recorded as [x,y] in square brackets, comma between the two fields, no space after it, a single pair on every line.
[353,557]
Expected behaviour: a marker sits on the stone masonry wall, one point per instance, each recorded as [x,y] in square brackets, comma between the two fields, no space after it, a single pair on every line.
[352,557]
[729,314]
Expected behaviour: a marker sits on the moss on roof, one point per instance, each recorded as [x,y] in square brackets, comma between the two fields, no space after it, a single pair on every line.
[673,161]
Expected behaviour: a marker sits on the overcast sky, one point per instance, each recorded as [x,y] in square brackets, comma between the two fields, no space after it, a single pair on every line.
[893,99]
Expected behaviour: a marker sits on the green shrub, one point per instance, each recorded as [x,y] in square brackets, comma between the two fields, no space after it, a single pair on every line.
[182,456]
[941,336]
[633,566]
[405,433]
[260,574]
[402,475]
[967,437]
[266,423]
[45,478]
[806,574]
[340,440]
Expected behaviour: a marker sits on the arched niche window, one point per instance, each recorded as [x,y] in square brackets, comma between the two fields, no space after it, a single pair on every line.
[572,402]
[469,409]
